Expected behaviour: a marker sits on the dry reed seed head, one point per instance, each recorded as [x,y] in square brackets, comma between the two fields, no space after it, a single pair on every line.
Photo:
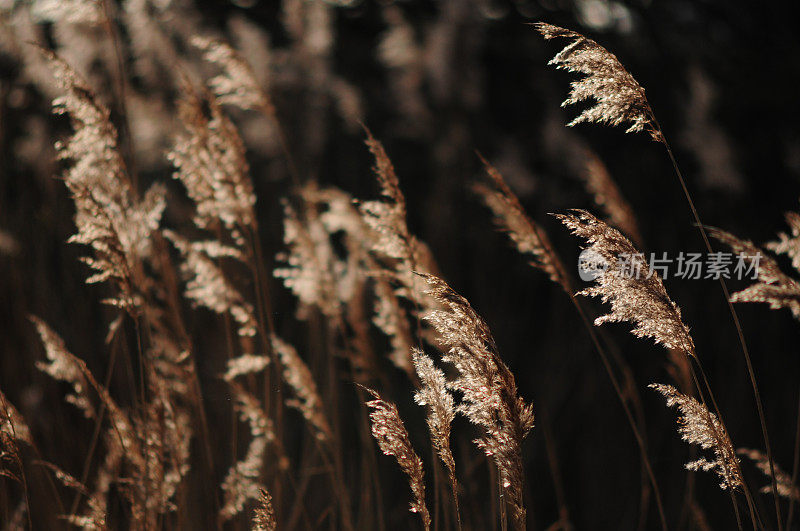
[390,432]
[636,295]
[697,425]
[298,376]
[154,448]
[109,217]
[608,197]
[620,99]
[526,235]
[61,366]
[434,394]
[789,244]
[306,268]
[489,397]
[95,515]
[245,364]
[336,213]
[317,273]
[783,481]
[264,514]
[88,12]
[209,159]
[206,284]
[12,425]
[391,319]
[237,84]
[387,217]
[773,287]
[242,483]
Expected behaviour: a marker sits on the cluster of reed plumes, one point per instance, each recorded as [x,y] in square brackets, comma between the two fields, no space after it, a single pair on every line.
[185,274]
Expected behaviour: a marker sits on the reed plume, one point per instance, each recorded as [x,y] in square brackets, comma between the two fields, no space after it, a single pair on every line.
[209,159]
[390,432]
[434,394]
[608,197]
[61,365]
[308,400]
[206,284]
[786,485]
[110,218]
[236,85]
[12,426]
[773,286]
[242,483]
[487,387]
[637,295]
[510,216]
[789,243]
[697,425]
[305,268]
[264,514]
[619,97]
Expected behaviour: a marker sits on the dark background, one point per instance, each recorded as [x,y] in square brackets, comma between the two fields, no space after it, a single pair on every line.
[722,78]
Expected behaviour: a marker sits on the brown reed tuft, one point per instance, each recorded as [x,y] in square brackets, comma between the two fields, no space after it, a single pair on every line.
[487,387]
[510,216]
[619,97]
[390,432]
[697,425]
[786,486]
[608,197]
[772,285]
[637,295]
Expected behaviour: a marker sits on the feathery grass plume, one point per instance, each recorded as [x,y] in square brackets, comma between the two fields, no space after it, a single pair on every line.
[789,244]
[209,159]
[392,319]
[313,268]
[398,254]
[488,390]
[264,514]
[509,216]
[298,376]
[95,517]
[12,425]
[390,432]
[785,485]
[773,287]
[434,394]
[206,283]
[388,217]
[237,84]
[620,98]
[335,212]
[242,482]
[245,364]
[109,217]
[608,197]
[305,267]
[697,425]
[89,12]
[61,366]
[13,430]
[120,437]
[147,455]
[636,294]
